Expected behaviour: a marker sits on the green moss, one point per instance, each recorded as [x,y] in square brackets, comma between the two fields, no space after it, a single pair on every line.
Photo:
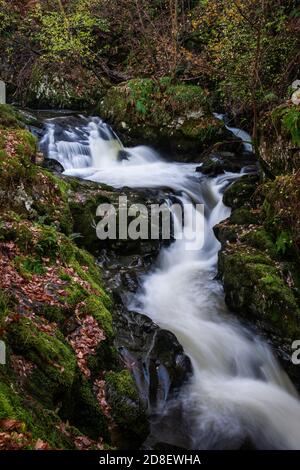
[128,412]
[28,265]
[243,216]
[26,188]
[55,313]
[254,285]
[84,214]
[7,303]
[240,192]
[75,294]
[9,117]
[85,266]
[55,360]
[261,239]
[123,384]
[95,307]
[7,408]
[54,206]
[48,242]
[82,410]
[41,423]
[17,149]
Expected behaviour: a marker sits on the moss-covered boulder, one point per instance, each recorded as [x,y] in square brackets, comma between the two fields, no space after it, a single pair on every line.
[241,191]
[258,261]
[256,288]
[280,140]
[84,198]
[128,411]
[25,187]
[10,117]
[177,117]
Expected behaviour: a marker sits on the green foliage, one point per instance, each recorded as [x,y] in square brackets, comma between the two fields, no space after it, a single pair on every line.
[63,33]
[250,47]
[27,265]
[291,124]
[284,241]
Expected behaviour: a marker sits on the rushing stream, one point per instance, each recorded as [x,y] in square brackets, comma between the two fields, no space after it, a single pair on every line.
[238,393]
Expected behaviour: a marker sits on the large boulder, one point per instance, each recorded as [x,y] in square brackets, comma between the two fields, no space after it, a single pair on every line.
[157,360]
[84,198]
[177,118]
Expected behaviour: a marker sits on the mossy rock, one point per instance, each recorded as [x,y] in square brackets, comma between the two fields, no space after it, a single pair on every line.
[240,192]
[225,232]
[282,214]
[10,117]
[82,410]
[94,306]
[84,200]
[40,422]
[243,216]
[255,288]
[27,189]
[127,410]
[176,117]
[262,240]
[56,364]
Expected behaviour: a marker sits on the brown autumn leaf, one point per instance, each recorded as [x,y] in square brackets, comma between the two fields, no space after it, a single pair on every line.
[41,445]
[10,424]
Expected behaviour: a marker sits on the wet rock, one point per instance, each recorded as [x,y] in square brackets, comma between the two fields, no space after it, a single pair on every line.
[157,360]
[219,162]
[129,412]
[53,165]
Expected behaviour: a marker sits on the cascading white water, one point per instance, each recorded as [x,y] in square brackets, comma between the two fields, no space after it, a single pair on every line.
[238,390]
[239,133]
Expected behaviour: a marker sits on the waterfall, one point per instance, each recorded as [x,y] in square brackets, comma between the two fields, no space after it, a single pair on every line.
[238,391]
[239,133]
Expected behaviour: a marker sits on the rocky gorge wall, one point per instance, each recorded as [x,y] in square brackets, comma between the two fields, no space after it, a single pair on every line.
[65,384]
[259,260]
